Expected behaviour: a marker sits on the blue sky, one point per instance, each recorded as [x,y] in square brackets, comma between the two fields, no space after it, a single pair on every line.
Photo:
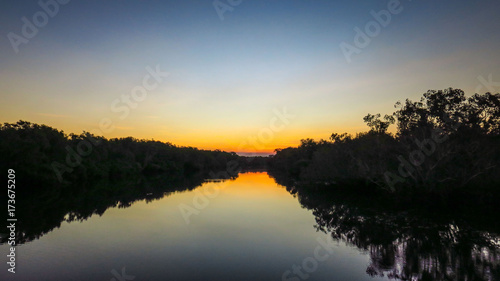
[227,76]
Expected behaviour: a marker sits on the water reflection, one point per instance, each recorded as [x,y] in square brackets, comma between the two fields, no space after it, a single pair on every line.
[403,245]
[41,212]
[253,230]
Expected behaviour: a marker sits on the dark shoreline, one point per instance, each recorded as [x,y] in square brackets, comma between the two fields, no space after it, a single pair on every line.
[476,208]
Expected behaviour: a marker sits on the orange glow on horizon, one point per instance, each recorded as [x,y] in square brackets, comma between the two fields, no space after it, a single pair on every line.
[246,142]
[255,184]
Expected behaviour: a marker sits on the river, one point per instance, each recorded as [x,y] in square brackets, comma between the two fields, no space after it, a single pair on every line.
[248,228]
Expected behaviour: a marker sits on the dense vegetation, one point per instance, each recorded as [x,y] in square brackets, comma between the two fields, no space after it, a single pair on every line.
[445,143]
[63,177]
[44,156]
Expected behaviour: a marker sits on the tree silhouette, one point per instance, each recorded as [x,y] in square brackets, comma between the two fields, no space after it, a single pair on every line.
[377,125]
[444,142]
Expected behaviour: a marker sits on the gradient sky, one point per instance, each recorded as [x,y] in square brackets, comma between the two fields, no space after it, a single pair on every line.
[228,77]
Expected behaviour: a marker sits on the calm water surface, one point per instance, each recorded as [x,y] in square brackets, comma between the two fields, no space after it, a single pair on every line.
[252,229]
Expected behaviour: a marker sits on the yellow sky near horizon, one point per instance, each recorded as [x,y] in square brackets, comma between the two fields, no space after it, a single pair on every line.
[266,77]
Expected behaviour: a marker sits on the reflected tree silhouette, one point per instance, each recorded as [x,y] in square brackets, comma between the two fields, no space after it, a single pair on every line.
[113,173]
[404,245]
[42,211]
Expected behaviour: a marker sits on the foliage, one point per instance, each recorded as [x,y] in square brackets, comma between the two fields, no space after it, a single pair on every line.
[444,142]
[47,157]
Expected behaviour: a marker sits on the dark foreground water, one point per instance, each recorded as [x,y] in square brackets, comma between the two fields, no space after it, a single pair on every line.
[250,228]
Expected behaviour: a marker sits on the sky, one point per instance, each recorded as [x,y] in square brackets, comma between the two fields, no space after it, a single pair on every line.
[236,75]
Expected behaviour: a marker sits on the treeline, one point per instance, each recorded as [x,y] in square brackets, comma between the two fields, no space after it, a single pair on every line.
[62,177]
[44,156]
[443,143]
